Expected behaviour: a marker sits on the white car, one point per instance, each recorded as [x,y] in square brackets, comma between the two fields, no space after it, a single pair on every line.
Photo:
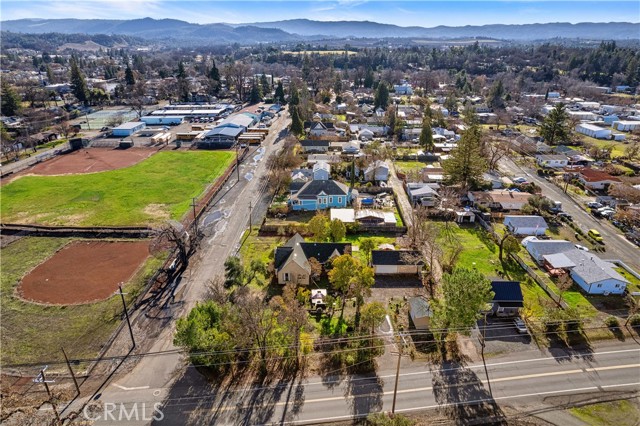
[519,179]
[583,248]
[520,326]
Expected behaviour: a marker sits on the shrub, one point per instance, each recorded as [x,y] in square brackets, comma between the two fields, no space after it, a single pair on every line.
[635,320]
[611,322]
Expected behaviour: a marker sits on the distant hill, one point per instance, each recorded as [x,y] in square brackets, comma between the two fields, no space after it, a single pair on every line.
[304,29]
[366,29]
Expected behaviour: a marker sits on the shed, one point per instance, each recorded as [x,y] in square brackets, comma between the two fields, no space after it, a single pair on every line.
[420,312]
[396,262]
[507,298]
[128,129]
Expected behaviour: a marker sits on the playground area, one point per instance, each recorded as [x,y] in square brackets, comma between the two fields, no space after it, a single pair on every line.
[83,272]
[99,119]
[89,160]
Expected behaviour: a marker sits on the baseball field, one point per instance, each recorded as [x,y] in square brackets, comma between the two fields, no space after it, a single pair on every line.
[147,193]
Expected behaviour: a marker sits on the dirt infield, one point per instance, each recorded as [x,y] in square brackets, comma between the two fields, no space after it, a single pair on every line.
[83,271]
[90,160]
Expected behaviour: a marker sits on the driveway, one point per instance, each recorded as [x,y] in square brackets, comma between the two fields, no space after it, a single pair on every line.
[617,246]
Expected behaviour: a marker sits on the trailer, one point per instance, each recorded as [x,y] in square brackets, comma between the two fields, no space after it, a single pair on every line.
[160,138]
[171,120]
[187,136]
[258,130]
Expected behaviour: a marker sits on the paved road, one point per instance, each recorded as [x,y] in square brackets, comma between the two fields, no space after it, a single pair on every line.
[224,228]
[523,380]
[617,246]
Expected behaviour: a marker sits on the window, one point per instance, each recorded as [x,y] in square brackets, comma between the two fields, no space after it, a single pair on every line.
[599,286]
[339,200]
[287,277]
[331,199]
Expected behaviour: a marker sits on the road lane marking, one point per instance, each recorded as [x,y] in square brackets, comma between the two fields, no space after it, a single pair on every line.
[130,389]
[423,389]
[428,407]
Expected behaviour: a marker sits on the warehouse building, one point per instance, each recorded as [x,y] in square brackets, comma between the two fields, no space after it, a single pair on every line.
[128,129]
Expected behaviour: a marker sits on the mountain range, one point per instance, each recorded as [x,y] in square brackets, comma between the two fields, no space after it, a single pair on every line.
[306,30]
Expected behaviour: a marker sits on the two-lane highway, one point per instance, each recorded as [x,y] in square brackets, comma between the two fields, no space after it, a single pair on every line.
[617,246]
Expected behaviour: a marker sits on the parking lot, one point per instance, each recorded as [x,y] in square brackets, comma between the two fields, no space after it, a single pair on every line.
[501,336]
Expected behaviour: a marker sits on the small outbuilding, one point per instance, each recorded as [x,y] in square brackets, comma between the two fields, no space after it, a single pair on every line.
[507,299]
[396,262]
[128,129]
[420,312]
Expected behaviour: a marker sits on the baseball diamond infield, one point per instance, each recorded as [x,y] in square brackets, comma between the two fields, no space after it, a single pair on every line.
[83,272]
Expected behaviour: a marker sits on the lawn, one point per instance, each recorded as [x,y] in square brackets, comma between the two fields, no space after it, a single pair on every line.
[355,240]
[34,333]
[614,413]
[408,166]
[256,247]
[634,283]
[481,252]
[150,192]
[618,147]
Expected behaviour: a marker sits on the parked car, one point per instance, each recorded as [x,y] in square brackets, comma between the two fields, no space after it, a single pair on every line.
[595,235]
[594,205]
[519,179]
[520,326]
[565,216]
[583,248]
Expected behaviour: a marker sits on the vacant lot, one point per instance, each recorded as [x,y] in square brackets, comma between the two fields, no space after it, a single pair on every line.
[150,192]
[32,332]
[83,271]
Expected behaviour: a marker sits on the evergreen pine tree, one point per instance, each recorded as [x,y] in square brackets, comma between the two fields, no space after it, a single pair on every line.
[78,83]
[11,103]
[296,122]
[294,97]
[554,127]
[466,164]
[256,94]
[265,87]
[129,77]
[279,95]
[426,136]
[382,95]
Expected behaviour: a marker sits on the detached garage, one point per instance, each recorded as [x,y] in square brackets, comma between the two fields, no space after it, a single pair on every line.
[396,262]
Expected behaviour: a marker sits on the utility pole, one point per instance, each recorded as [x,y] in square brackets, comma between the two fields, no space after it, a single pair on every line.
[126,313]
[40,378]
[87,117]
[482,344]
[195,217]
[238,160]
[73,376]
[395,387]
[249,216]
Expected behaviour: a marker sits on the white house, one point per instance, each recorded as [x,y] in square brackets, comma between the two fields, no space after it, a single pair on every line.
[539,248]
[376,171]
[592,274]
[552,160]
[422,193]
[593,131]
[526,225]
[403,89]
[596,179]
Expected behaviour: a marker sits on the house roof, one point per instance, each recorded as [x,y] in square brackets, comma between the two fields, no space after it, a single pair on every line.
[388,217]
[552,157]
[543,247]
[395,257]
[311,142]
[591,268]
[322,165]
[422,190]
[231,131]
[295,249]
[558,261]
[502,196]
[525,221]
[330,187]
[507,291]
[419,307]
[344,215]
[295,186]
[591,175]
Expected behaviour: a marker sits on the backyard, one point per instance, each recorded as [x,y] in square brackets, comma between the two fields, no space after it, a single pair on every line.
[150,192]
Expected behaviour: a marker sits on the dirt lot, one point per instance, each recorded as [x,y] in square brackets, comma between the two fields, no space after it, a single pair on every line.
[89,160]
[83,271]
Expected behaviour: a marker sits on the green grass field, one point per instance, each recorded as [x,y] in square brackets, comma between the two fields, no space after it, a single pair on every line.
[35,333]
[150,192]
[614,413]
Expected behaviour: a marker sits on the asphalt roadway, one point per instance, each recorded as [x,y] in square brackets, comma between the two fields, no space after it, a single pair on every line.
[617,246]
[523,380]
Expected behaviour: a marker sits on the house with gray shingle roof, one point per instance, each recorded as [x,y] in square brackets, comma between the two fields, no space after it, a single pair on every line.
[526,225]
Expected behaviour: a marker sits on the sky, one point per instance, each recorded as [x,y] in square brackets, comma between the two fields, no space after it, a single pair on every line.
[404,13]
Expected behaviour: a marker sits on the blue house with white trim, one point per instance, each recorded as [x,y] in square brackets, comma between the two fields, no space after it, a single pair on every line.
[319,193]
